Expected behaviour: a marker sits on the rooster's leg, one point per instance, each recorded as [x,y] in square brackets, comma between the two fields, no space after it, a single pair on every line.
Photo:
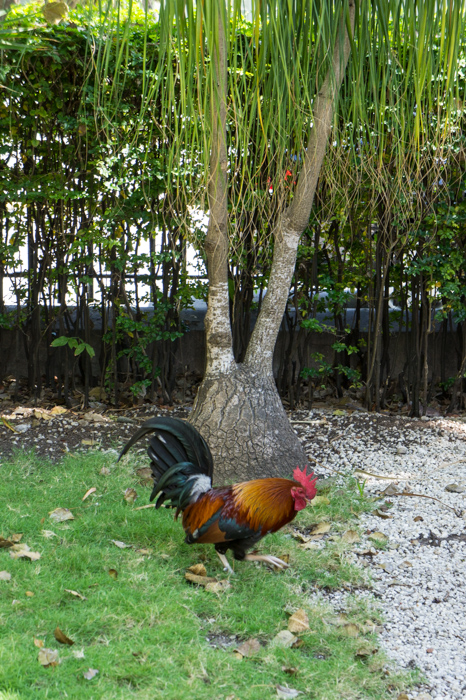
[274,561]
[226,565]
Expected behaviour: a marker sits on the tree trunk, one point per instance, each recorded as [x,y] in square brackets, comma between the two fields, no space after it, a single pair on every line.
[238,409]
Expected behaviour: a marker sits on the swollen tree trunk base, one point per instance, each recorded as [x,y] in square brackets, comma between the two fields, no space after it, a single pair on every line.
[242,419]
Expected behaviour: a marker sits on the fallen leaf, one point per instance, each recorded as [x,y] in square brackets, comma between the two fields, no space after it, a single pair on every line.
[145,474]
[29,594]
[321,529]
[59,515]
[8,425]
[5,576]
[290,670]
[378,536]
[75,593]
[4,543]
[78,653]
[402,696]
[113,573]
[48,657]
[121,545]
[284,692]
[390,490]
[299,621]
[217,586]
[89,675]
[130,495]
[17,537]
[198,569]
[48,534]
[366,650]
[22,551]
[144,551]
[320,501]
[350,537]
[418,519]
[248,648]
[88,442]
[381,514]
[42,415]
[105,471]
[199,580]
[89,491]
[350,630]
[58,410]
[311,545]
[284,639]
[61,637]
[39,643]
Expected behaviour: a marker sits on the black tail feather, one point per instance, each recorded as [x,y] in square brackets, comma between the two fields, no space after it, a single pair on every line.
[178,453]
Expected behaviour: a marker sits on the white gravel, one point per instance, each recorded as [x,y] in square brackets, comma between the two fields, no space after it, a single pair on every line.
[420,579]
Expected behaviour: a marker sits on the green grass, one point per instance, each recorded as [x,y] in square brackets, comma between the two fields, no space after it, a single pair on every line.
[147,632]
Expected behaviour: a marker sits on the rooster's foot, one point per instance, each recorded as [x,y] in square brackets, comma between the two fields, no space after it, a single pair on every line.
[268,559]
[226,565]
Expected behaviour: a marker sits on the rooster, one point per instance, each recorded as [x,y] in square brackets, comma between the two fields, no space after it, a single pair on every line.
[230,517]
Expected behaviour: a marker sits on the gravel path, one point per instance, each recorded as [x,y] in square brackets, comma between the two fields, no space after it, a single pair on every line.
[420,578]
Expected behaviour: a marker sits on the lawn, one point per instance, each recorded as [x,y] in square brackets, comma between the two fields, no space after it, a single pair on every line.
[135,619]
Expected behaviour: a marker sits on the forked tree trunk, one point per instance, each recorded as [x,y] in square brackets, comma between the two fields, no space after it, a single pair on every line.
[238,408]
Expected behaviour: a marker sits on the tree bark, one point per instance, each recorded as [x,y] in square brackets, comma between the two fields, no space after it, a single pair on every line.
[238,408]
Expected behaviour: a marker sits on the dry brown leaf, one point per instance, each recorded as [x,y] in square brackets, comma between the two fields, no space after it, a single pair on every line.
[17,537]
[5,576]
[39,643]
[381,514]
[143,551]
[48,534]
[350,630]
[321,529]
[199,580]
[145,474]
[61,637]
[418,519]
[4,543]
[42,415]
[58,410]
[366,650]
[378,536]
[402,696]
[29,594]
[48,657]
[22,551]
[248,648]
[350,537]
[217,586]
[89,491]
[59,515]
[130,495]
[290,670]
[391,490]
[89,443]
[299,621]
[198,569]
[105,471]
[320,501]
[89,675]
[284,639]
[75,594]
[113,573]
[121,545]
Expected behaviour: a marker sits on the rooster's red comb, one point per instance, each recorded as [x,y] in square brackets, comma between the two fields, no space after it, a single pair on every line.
[308,481]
